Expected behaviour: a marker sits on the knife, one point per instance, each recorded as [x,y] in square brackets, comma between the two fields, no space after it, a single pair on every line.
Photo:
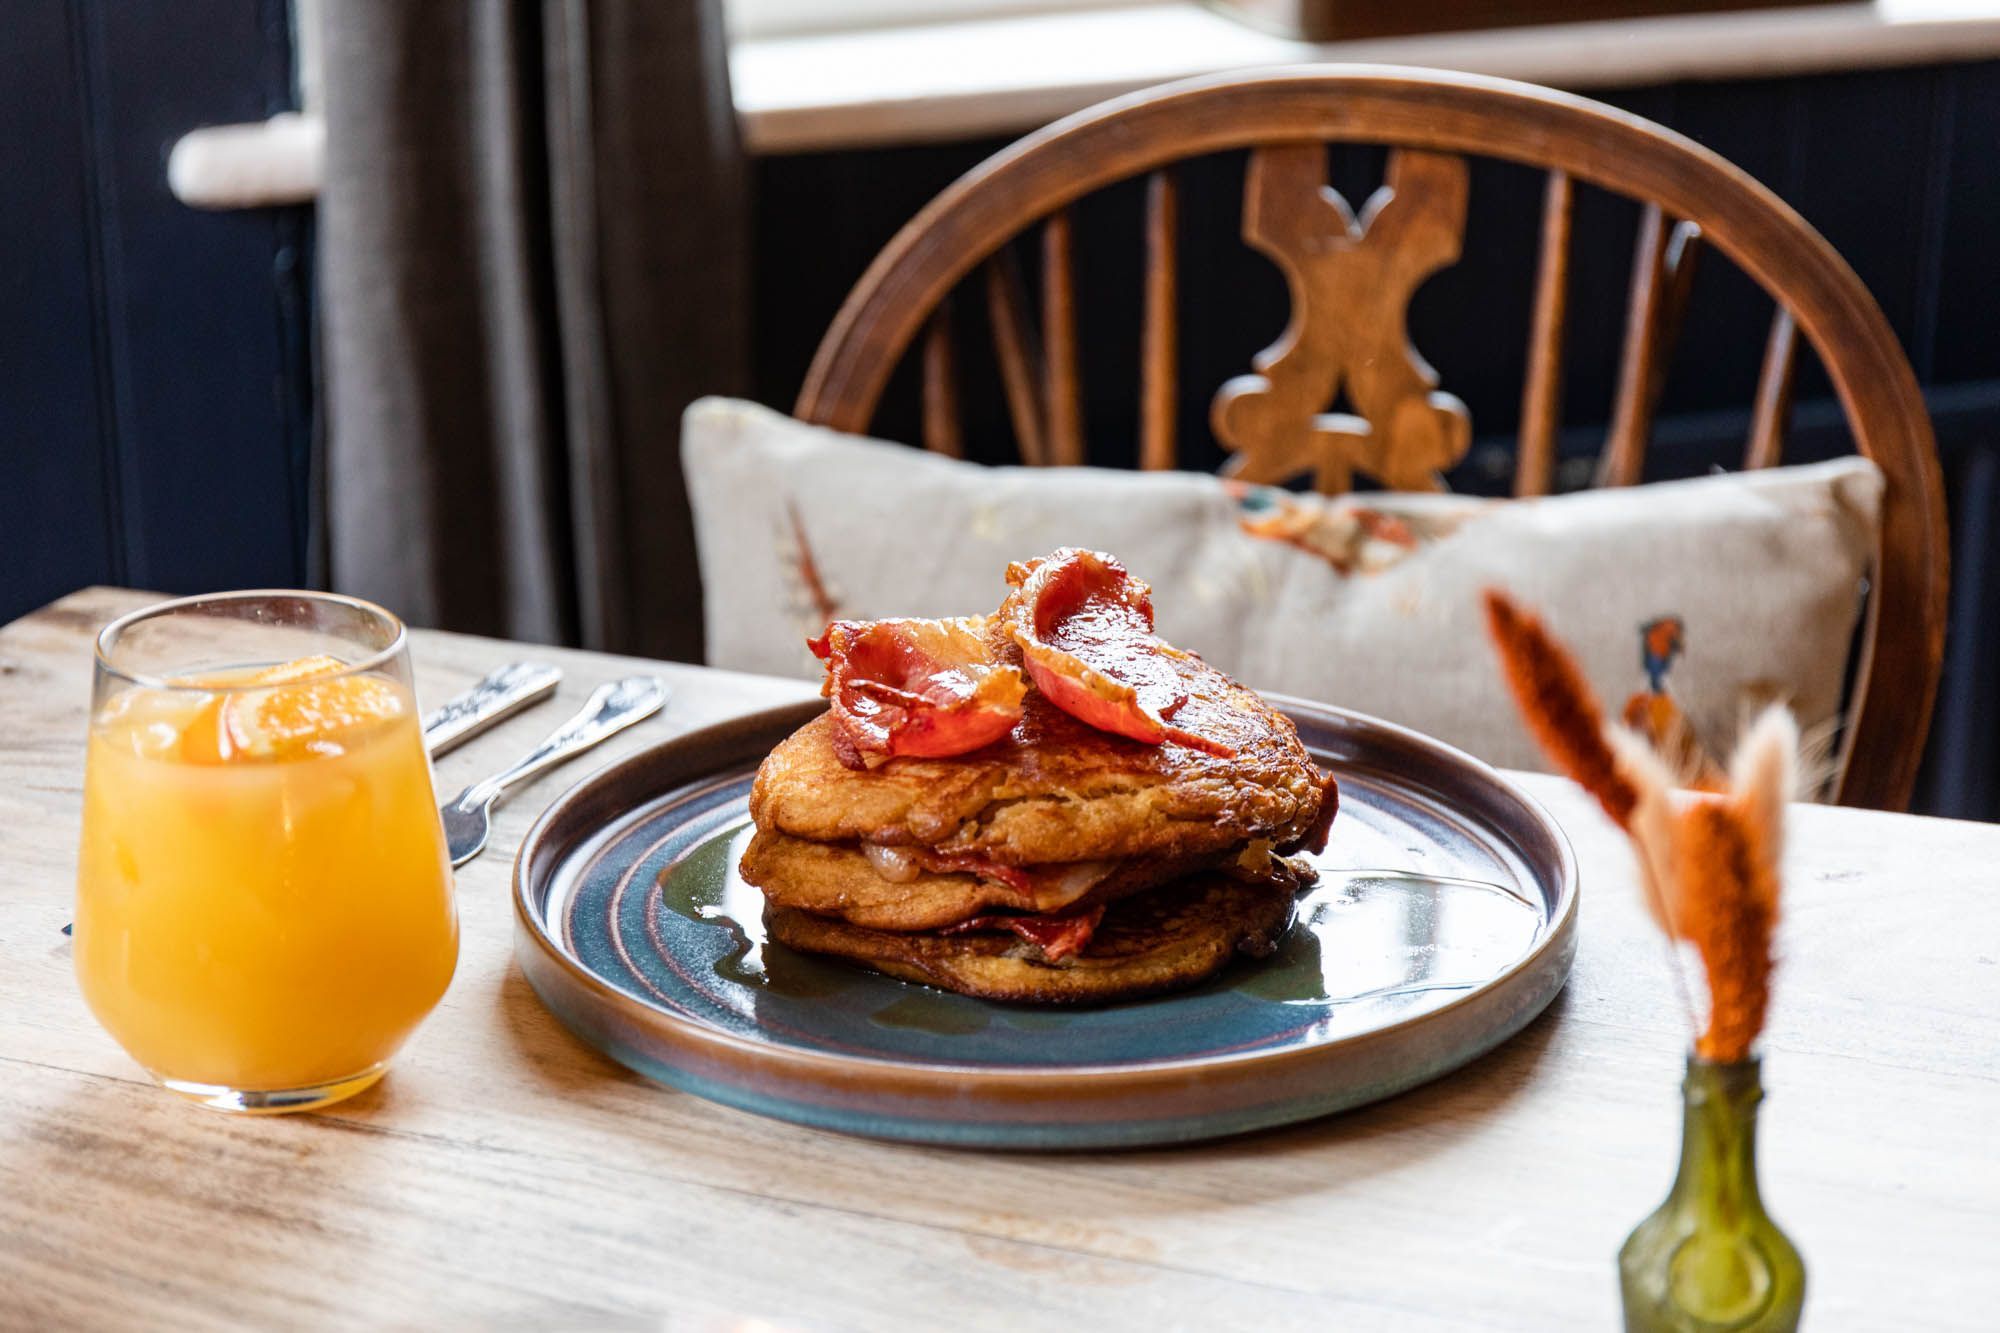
[501,695]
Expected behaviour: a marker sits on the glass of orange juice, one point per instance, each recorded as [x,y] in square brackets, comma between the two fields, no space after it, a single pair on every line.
[264,901]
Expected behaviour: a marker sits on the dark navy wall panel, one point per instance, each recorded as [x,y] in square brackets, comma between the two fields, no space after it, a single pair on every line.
[56,505]
[1968,328]
[153,402]
[1868,185]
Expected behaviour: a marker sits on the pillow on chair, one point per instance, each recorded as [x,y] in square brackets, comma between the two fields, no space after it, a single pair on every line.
[1368,602]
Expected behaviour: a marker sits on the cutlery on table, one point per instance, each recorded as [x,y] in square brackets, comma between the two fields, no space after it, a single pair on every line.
[498,697]
[611,709]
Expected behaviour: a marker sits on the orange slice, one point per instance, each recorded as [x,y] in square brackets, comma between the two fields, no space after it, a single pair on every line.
[303,712]
[303,668]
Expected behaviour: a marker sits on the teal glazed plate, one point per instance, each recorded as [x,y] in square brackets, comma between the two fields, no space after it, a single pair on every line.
[1444,920]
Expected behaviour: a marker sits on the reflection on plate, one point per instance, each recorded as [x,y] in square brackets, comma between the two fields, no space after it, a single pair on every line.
[1442,922]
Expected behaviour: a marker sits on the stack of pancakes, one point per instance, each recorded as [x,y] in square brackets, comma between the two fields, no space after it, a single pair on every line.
[1060,863]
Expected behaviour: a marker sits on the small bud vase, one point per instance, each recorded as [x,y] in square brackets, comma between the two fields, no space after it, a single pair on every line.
[1710,1259]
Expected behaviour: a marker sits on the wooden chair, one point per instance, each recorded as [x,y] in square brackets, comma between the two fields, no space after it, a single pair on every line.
[1351,280]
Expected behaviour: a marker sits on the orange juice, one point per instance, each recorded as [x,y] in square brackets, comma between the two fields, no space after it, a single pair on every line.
[264,897]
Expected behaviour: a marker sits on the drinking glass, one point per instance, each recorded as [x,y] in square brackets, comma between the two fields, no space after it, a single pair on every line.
[264,902]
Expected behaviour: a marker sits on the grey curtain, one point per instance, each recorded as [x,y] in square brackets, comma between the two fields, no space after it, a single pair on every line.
[533,254]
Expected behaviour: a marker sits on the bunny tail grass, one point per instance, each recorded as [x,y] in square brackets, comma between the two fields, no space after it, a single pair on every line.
[1652,829]
[1557,703]
[1651,823]
[1728,904]
[1764,774]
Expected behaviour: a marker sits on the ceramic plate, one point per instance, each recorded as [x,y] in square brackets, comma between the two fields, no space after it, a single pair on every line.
[1444,920]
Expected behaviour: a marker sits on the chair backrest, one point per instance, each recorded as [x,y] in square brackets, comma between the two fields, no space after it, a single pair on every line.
[1351,278]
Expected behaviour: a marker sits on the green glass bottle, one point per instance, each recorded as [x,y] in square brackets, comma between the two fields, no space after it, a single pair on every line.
[1709,1259]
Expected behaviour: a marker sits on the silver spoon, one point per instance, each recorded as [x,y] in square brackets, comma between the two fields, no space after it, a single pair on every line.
[611,709]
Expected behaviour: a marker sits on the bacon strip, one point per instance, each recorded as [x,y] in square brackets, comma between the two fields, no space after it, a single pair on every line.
[1051,887]
[1014,877]
[1085,630]
[1058,937]
[915,687]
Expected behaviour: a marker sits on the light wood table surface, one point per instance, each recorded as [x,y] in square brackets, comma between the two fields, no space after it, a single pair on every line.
[504,1174]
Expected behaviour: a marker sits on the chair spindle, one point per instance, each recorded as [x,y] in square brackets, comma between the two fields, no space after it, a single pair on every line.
[1158,355]
[1005,307]
[1771,415]
[1060,387]
[1684,247]
[942,431]
[1541,394]
[1631,417]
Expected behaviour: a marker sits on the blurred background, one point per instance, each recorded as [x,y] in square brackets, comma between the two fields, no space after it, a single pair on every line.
[417,310]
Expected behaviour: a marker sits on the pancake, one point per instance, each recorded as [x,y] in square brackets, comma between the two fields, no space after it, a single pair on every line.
[1056,789]
[1167,939]
[1051,804]
[838,879]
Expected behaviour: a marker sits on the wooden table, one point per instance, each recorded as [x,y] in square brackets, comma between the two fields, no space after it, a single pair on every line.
[505,1173]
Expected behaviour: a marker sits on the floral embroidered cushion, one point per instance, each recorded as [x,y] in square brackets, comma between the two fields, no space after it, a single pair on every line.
[1728,591]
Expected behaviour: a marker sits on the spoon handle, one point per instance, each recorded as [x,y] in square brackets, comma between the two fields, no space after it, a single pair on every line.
[611,708]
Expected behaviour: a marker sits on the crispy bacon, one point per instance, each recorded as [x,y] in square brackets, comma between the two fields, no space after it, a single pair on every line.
[915,687]
[1085,629]
[1052,887]
[1058,937]
[944,863]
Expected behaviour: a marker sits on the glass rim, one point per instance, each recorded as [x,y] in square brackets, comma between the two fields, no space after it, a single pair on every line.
[381,656]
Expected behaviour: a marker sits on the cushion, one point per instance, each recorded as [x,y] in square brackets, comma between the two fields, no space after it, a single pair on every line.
[1368,602]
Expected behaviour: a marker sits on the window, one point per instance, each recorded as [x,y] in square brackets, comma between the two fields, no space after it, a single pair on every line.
[769,18]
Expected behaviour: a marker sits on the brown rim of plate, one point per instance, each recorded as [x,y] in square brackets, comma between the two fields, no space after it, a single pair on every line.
[740,739]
